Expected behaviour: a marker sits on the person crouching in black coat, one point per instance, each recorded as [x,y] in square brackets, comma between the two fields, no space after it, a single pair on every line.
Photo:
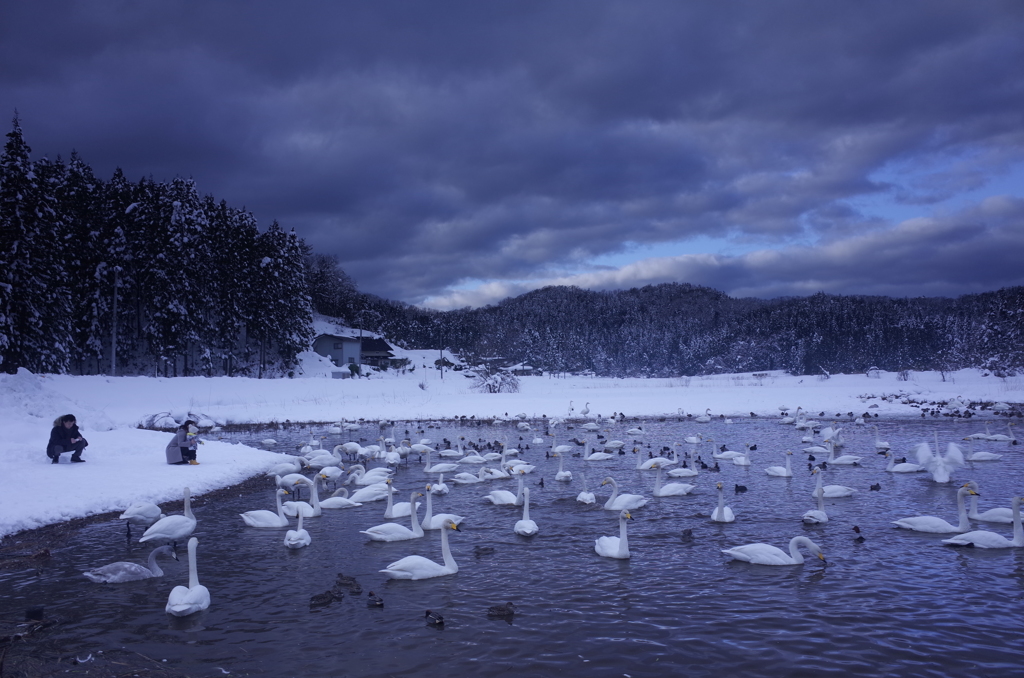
[65,437]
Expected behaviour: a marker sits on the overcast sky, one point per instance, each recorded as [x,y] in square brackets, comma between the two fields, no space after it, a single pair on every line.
[456,153]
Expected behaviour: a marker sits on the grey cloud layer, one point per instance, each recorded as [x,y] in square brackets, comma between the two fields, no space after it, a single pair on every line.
[432,143]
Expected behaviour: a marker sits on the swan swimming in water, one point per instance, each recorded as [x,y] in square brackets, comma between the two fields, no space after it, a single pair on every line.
[940,467]
[766,554]
[817,516]
[996,515]
[615,547]
[830,491]
[297,538]
[375,492]
[393,510]
[396,532]
[586,496]
[118,573]
[339,500]
[185,600]
[432,522]
[265,518]
[562,475]
[504,497]
[526,527]
[938,525]
[618,502]
[418,567]
[173,528]
[143,513]
[672,489]
[893,467]
[782,471]
[990,540]
[722,513]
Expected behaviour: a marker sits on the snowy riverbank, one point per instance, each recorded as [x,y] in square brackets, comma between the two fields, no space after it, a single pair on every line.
[126,464]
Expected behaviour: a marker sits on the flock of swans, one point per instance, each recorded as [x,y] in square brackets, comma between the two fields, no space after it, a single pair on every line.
[377,484]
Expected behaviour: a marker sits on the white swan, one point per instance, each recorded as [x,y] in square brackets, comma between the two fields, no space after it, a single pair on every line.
[704,418]
[672,489]
[396,510]
[694,440]
[469,478]
[440,487]
[722,513]
[618,502]
[595,456]
[432,522]
[375,492]
[980,456]
[297,538]
[585,497]
[816,516]
[143,513]
[494,473]
[472,458]
[940,467]
[310,509]
[117,573]
[984,539]
[830,491]
[526,527]
[782,471]
[504,497]
[766,554]
[443,467]
[615,547]
[996,515]
[418,567]
[727,454]
[938,525]
[339,500]
[893,467]
[184,601]
[265,518]
[843,460]
[396,532]
[562,475]
[1001,438]
[742,459]
[173,528]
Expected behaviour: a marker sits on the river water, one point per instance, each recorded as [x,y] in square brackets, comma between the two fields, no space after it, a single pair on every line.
[899,603]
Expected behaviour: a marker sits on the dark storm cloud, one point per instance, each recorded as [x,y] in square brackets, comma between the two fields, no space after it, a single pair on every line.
[430,143]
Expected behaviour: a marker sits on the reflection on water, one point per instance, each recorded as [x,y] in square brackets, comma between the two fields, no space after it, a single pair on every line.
[897,604]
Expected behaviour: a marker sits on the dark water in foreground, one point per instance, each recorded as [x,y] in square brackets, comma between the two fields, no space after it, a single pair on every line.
[899,604]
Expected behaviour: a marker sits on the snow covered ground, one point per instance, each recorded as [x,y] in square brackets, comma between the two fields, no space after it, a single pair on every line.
[126,464]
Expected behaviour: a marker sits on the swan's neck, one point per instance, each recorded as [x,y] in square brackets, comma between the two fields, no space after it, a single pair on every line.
[298,528]
[280,507]
[449,562]
[817,488]
[974,505]
[1018,530]
[561,462]
[188,504]
[794,552]
[519,494]
[526,507]
[657,482]
[721,504]
[417,529]
[821,502]
[962,510]
[892,462]
[615,493]
[314,494]
[430,507]
[789,462]
[193,573]
[623,540]
[389,510]
[639,460]
[153,567]
[831,452]
[427,467]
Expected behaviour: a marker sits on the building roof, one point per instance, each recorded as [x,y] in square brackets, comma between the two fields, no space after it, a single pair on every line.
[371,345]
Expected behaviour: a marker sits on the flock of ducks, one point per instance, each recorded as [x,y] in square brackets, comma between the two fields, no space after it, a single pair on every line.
[377,484]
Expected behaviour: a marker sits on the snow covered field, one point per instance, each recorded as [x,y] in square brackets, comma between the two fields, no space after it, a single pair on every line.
[126,464]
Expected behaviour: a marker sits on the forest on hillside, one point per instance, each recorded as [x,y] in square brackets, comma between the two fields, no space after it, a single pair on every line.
[154,278]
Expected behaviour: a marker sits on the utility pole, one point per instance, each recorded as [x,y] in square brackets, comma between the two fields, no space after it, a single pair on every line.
[113,329]
[441,350]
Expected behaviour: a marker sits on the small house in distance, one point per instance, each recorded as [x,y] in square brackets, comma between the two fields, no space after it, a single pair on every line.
[341,350]
[376,352]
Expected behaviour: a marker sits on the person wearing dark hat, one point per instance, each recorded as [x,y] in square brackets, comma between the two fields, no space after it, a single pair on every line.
[65,437]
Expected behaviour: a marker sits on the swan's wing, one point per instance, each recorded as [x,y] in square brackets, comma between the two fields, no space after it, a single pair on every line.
[924,455]
[954,456]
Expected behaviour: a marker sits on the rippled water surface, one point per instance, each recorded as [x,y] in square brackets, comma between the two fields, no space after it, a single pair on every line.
[899,603]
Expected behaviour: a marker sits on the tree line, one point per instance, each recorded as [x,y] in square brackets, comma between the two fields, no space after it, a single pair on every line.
[153,278]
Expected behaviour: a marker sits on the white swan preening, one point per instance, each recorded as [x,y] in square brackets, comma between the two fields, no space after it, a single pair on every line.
[265,518]
[615,547]
[984,539]
[782,471]
[722,513]
[938,525]
[526,527]
[297,538]
[618,502]
[118,573]
[396,532]
[766,554]
[418,567]
[173,528]
[183,600]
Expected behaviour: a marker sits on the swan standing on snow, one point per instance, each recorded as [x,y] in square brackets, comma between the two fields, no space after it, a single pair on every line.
[586,496]
[265,518]
[418,567]
[173,528]
[432,522]
[618,502]
[938,525]
[615,547]
[297,538]
[394,531]
[672,489]
[722,513]
[117,573]
[782,471]
[526,527]
[184,601]
[766,554]
[984,539]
